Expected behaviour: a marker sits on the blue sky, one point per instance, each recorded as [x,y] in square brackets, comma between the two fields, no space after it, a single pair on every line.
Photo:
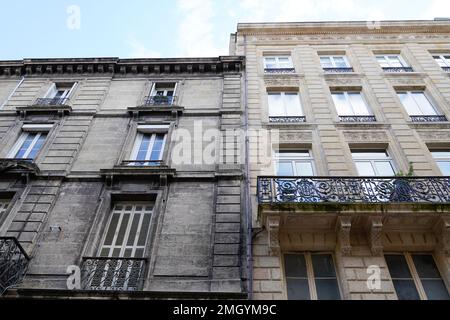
[171,28]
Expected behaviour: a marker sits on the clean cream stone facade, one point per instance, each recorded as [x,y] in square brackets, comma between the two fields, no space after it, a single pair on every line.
[357,236]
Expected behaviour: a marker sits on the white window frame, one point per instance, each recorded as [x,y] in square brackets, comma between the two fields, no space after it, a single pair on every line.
[284,102]
[414,274]
[390,65]
[349,103]
[333,63]
[151,130]
[125,245]
[26,129]
[310,272]
[372,160]
[67,92]
[277,62]
[166,89]
[438,159]
[411,96]
[443,62]
[294,159]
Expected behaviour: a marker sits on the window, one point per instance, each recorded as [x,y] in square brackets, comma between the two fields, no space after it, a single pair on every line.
[294,163]
[334,62]
[282,63]
[284,104]
[311,276]
[416,276]
[442,158]
[351,105]
[416,103]
[149,145]
[162,93]
[4,203]
[443,60]
[391,61]
[127,230]
[373,163]
[30,142]
[60,93]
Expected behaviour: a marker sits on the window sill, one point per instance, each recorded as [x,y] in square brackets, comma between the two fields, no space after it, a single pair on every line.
[61,110]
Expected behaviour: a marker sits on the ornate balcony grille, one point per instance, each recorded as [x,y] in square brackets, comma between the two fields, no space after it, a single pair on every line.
[113,274]
[287,119]
[13,263]
[279,70]
[338,70]
[398,69]
[353,189]
[357,118]
[159,100]
[51,101]
[428,118]
[142,163]
[446,69]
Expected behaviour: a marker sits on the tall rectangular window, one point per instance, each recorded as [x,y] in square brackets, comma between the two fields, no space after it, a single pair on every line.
[443,60]
[294,163]
[127,231]
[284,104]
[442,158]
[416,103]
[335,63]
[162,93]
[30,141]
[148,147]
[416,276]
[373,163]
[311,276]
[278,63]
[58,93]
[351,104]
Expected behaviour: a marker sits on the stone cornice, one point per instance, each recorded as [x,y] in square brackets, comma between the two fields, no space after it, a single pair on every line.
[120,67]
[344,27]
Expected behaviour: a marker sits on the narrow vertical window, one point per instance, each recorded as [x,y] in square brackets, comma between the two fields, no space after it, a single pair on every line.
[30,142]
[373,163]
[442,158]
[294,163]
[285,107]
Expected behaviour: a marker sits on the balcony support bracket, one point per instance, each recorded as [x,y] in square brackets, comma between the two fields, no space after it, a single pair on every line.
[343,227]
[442,231]
[273,228]
[375,234]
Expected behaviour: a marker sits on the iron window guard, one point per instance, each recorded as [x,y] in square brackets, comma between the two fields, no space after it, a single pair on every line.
[279,70]
[13,263]
[338,70]
[142,163]
[398,69]
[357,118]
[159,100]
[353,189]
[51,101]
[113,274]
[295,119]
[446,69]
[433,118]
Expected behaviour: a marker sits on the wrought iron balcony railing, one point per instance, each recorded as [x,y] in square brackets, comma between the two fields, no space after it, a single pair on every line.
[287,119]
[142,163]
[353,189]
[433,118]
[446,69]
[279,70]
[113,274]
[357,118]
[49,102]
[398,69]
[13,263]
[338,70]
[159,100]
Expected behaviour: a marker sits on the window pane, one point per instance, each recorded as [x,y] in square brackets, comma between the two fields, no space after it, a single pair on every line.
[357,154]
[304,169]
[445,167]
[323,266]
[37,146]
[326,62]
[133,230]
[425,265]
[112,229]
[410,104]
[340,62]
[382,61]
[143,148]
[435,290]
[327,289]
[157,149]
[384,168]
[276,108]
[25,145]
[440,61]
[292,104]
[297,289]
[144,230]
[284,62]
[365,168]
[292,155]
[358,104]
[342,106]
[270,63]
[123,228]
[406,290]
[424,104]
[398,268]
[395,61]
[440,154]
[285,169]
[295,265]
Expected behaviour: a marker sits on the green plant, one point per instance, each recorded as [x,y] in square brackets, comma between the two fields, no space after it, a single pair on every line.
[410,172]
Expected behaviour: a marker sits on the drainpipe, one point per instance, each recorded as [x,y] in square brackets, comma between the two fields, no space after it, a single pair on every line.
[12,93]
[247,192]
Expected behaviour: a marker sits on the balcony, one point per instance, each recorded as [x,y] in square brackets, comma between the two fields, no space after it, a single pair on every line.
[433,118]
[297,119]
[113,274]
[284,190]
[338,70]
[159,100]
[398,69]
[279,70]
[357,118]
[13,263]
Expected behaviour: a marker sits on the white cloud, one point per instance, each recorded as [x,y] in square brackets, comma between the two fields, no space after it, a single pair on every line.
[139,50]
[196,29]
[437,9]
